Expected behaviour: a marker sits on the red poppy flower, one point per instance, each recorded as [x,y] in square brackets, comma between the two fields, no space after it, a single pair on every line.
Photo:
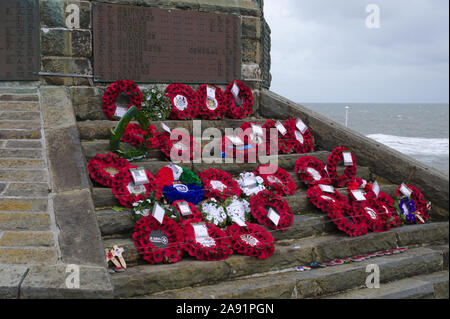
[214,107]
[252,241]
[240,106]
[184,102]
[350,171]
[157,242]
[196,214]
[127,193]
[303,142]
[114,90]
[276,179]
[419,199]
[346,221]
[219,184]
[261,204]
[325,201]
[311,171]
[103,168]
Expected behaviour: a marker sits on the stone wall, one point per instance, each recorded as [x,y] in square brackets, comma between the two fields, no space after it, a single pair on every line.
[70,51]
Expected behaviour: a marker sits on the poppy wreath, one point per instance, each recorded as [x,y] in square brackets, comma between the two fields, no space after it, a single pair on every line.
[206,112]
[241,106]
[114,90]
[302,142]
[137,137]
[325,201]
[390,216]
[279,181]
[311,171]
[260,205]
[229,150]
[418,198]
[285,143]
[196,214]
[220,251]
[122,192]
[173,251]
[252,144]
[252,241]
[184,102]
[213,176]
[103,168]
[343,217]
[166,145]
[372,213]
[350,171]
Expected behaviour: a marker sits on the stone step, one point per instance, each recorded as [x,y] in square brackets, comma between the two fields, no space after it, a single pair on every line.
[20,134]
[97,130]
[29,256]
[119,226]
[149,279]
[21,153]
[429,286]
[20,116]
[19,106]
[299,202]
[316,283]
[18,97]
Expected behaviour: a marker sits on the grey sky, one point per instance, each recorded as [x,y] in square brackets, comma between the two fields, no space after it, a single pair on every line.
[322,51]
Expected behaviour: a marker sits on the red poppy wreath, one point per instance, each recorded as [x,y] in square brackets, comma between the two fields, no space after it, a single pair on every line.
[345,220]
[205,241]
[127,193]
[325,198]
[311,171]
[271,210]
[300,136]
[283,143]
[137,137]
[350,171]
[113,91]
[240,100]
[184,102]
[418,198]
[372,213]
[179,150]
[390,215]
[158,243]
[103,168]
[219,184]
[212,102]
[252,241]
[182,214]
[276,180]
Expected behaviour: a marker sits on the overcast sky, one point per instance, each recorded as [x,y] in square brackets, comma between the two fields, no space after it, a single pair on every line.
[322,51]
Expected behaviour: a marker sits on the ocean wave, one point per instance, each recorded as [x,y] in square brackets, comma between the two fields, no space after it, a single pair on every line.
[414,145]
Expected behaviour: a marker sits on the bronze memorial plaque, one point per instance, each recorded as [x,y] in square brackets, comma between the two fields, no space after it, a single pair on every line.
[19,40]
[146,44]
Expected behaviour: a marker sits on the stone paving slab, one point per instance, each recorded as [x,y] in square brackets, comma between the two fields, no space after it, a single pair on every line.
[30,189]
[26,239]
[19,106]
[20,134]
[11,276]
[36,176]
[20,116]
[18,153]
[24,204]
[23,144]
[27,256]
[18,221]
[20,125]
[21,163]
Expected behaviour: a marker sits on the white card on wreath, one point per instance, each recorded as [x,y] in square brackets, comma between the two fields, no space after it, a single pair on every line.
[280,127]
[166,128]
[211,92]
[200,231]
[348,160]
[257,130]
[235,90]
[139,176]
[376,188]
[120,111]
[301,126]
[235,140]
[239,221]
[359,195]
[405,190]
[274,216]
[327,188]
[184,208]
[158,213]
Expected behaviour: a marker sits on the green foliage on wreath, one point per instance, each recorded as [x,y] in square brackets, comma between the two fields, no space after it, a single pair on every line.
[156,105]
[188,177]
[145,207]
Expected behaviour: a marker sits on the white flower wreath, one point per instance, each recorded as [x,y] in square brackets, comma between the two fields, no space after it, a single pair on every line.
[250,184]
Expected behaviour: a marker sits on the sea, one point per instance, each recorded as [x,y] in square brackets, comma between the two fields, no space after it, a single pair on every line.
[420,131]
